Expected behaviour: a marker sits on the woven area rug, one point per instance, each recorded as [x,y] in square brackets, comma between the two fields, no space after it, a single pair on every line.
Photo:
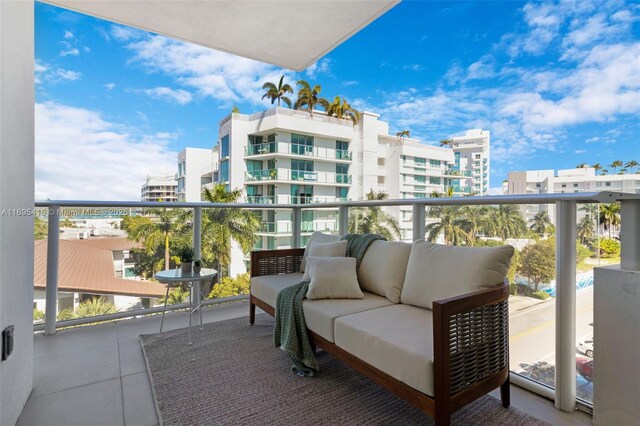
[233,375]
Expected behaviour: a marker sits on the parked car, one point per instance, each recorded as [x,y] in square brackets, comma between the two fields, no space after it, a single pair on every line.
[584,366]
[586,347]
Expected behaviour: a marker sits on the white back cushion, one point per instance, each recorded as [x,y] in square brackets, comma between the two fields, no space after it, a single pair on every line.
[437,272]
[383,268]
[336,249]
[320,238]
[333,278]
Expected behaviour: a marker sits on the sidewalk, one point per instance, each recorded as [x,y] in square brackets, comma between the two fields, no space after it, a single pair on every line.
[520,303]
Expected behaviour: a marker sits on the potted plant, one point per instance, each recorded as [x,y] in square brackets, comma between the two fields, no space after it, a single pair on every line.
[197,266]
[186,257]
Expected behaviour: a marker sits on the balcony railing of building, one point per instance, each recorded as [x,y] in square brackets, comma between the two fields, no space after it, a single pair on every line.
[289,175]
[286,227]
[293,199]
[564,343]
[286,148]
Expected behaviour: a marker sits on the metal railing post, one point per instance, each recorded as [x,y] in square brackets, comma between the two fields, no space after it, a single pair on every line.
[418,222]
[343,220]
[197,248]
[565,372]
[630,235]
[296,226]
[51,291]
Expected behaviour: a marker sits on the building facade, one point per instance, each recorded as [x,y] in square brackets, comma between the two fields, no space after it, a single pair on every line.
[196,169]
[566,181]
[159,188]
[472,159]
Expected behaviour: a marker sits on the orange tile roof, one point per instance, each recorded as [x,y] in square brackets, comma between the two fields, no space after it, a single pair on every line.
[86,266]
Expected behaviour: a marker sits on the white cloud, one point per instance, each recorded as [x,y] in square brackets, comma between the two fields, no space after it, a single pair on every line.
[179,96]
[68,34]
[72,51]
[350,83]
[219,75]
[579,151]
[110,86]
[122,33]
[413,67]
[323,66]
[45,73]
[80,155]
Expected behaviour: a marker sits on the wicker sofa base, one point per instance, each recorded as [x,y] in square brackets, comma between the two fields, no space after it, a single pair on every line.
[440,412]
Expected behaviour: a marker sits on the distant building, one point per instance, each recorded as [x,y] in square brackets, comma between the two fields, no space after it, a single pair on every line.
[196,169]
[472,156]
[566,181]
[159,188]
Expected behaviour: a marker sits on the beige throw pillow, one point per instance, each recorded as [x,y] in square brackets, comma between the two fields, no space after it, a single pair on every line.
[333,278]
[383,268]
[437,272]
[337,249]
[318,237]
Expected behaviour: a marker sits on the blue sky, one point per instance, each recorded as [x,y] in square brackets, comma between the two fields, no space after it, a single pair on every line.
[556,83]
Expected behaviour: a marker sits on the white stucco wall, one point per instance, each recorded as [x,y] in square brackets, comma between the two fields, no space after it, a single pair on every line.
[16,192]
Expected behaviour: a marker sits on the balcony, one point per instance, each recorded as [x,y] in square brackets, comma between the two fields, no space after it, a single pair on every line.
[285,228]
[269,150]
[297,176]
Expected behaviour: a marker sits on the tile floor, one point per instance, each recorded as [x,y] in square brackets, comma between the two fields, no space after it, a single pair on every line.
[96,375]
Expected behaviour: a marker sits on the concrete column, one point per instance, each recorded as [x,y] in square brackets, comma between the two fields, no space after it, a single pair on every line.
[343,220]
[296,227]
[16,201]
[51,290]
[418,222]
[630,235]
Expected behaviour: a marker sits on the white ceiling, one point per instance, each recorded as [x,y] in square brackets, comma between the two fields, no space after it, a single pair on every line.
[291,33]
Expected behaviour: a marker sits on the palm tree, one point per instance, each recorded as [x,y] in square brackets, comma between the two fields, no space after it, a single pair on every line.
[308,96]
[278,92]
[614,165]
[451,225]
[220,227]
[340,108]
[585,229]
[590,210]
[622,171]
[159,229]
[505,221]
[610,215]
[446,142]
[582,166]
[604,172]
[403,134]
[631,164]
[373,220]
[177,295]
[95,306]
[541,222]
[235,110]
[597,167]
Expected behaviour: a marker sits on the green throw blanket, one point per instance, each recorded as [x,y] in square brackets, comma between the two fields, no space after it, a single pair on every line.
[291,329]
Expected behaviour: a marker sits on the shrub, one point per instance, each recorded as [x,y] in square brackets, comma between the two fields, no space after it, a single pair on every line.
[66,314]
[38,315]
[513,289]
[542,295]
[582,252]
[231,287]
[609,247]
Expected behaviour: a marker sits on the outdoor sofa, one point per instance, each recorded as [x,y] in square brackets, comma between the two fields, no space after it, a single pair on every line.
[431,327]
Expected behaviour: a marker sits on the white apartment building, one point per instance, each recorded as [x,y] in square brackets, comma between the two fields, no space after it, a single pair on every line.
[472,159]
[566,181]
[196,168]
[159,188]
[286,156]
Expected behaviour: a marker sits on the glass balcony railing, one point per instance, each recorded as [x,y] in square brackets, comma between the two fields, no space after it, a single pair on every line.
[260,175]
[261,199]
[262,148]
[287,148]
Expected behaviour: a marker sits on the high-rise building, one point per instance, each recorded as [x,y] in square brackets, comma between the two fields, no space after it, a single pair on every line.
[282,156]
[472,156]
[159,188]
[196,169]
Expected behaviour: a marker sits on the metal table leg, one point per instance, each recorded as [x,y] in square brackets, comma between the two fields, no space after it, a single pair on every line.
[166,296]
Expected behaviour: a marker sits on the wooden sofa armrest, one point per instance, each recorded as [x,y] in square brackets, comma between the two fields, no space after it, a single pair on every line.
[273,262]
[471,344]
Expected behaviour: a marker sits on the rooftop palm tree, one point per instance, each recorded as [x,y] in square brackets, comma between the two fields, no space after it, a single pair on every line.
[222,226]
[597,167]
[541,223]
[373,220]
[403,134]
[451,225]
[582,166]
[604,172]
[622,171]
[505,221]
[277,93]
[446,142]
[615,164]
[631,164]
[585,229]
[610,215]
[340,108]
[308,96]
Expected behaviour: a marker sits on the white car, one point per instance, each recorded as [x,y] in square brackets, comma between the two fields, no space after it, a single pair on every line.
[586,347]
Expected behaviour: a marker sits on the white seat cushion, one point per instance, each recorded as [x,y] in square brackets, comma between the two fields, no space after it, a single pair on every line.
[437,272]
[396,339]
[267,287]
[383,268]
[320,314]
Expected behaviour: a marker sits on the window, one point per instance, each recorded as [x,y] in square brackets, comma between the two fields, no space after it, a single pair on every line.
[342,193]
[307,221]
[575,185]
[380,162]
[301,194]
[224,171]
[420,161]
[342,150]
[342,169]
[434,180]
[301,170]
[564,185]
[301,144]
[380,180]
[271,243]
[607,184]
[420,188]
[420,179]
[404,159]
[537,185]
[224,146]
[434,163]
[598,184]
[419,195]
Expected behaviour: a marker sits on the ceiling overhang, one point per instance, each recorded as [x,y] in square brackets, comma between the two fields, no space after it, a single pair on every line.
[291,34]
